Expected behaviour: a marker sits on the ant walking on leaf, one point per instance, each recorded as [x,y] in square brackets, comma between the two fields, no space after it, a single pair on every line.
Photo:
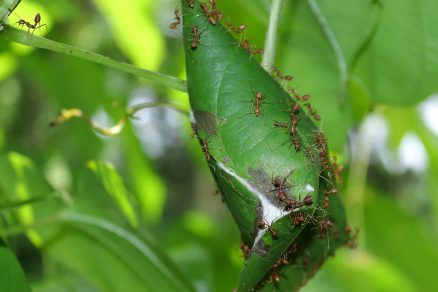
[263,225]
[258,100]
[37,23]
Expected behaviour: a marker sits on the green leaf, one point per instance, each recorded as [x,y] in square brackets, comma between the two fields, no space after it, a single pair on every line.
[12,277]
[21,182]
[245,151]
[113,258]
[401,227]
[115,187]
[400,65]
[308,54]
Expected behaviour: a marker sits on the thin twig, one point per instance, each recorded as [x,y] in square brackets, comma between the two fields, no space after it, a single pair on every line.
[19,229]
[68,114]
[22,37]
[342,64]
[6,9]
[271,35]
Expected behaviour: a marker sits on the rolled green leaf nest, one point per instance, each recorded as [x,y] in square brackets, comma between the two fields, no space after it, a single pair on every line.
[268,157]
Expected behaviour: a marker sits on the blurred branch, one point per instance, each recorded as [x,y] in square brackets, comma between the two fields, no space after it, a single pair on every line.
[22,37]
[68,114]
[271,35]
[6,9]
[19,229]
[356,184]
[17,204]
[342,64]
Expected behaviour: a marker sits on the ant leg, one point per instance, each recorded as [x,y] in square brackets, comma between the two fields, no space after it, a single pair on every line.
[39,27]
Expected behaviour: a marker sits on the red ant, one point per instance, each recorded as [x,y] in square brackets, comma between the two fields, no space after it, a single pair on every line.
[194,130]
[257,102]
[263,225]
[296,109]
[308,200]
[30,26]
[177,22]
[195,41]
[291,204]
[298,219]
[190,3]
[246,250]
[239,29]
[275,277]
[310,154]
[280,186]
[326,201]
[281,261]
[213,14]
[205,149]
[324,227]
[293,248]
[306,261]
[297,145]
[280,124]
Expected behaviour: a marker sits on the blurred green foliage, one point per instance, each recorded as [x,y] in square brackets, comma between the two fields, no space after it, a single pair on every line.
[86,212]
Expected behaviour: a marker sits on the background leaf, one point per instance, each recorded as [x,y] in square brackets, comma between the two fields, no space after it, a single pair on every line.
[12,277]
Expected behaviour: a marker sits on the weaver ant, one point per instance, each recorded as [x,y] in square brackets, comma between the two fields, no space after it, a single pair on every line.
[31,26]
[281,261]
[190,3]
[205,149]
[324,227]
[263,225]
[281,185]
[308,200]
[275,277]
[195,41]
[257,103]
[174,25]
[280,124]
[213,14]
[246,250]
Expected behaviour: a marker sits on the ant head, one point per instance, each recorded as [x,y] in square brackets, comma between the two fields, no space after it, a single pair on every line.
[276,181]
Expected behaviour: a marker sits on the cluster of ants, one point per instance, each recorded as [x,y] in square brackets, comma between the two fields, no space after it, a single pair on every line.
[214,16]
[279,76]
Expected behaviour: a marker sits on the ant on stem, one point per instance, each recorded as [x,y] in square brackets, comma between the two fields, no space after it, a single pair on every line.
[30,26]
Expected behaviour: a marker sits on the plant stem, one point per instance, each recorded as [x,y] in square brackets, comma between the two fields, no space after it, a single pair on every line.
[342,64]
[22,37]
[5,10]
[357,176]
[68,114]
[24,228]
[271,35]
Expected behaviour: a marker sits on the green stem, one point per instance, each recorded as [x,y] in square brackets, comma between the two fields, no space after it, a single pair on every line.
[5,10]
[357,176]
[23,228]
[22,37]
[17,204]
[342,64]
[271,35]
